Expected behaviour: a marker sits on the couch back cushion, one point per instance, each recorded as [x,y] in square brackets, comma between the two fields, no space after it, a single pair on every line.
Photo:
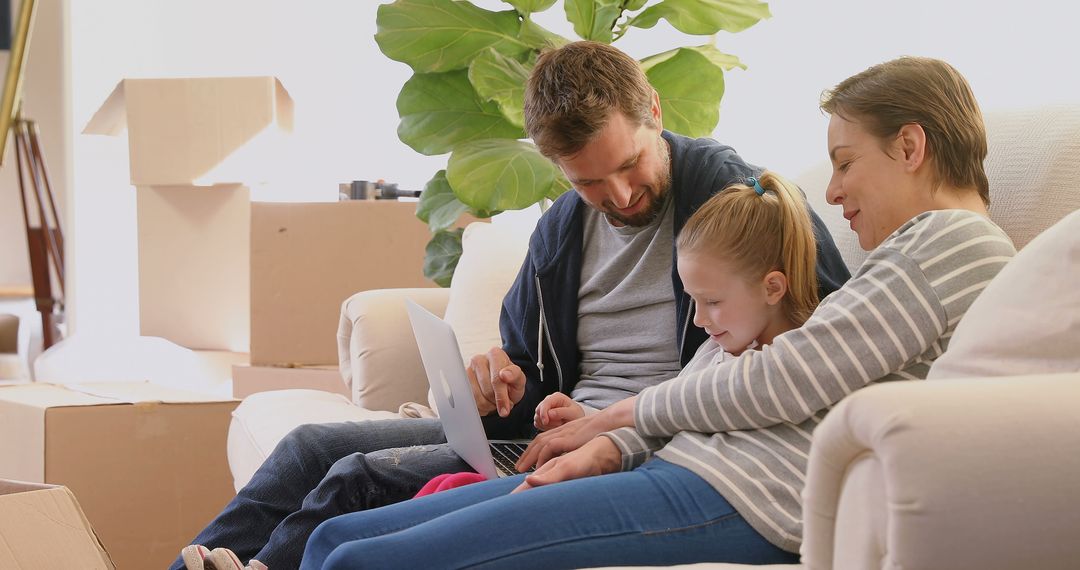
[491,256]
[1027,320]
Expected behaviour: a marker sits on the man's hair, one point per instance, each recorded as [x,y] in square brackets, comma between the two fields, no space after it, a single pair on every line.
[758,234]
[573,90]
[927,92]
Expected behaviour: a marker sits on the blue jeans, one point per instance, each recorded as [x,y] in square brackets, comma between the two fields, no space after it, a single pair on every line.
[320,471]
[659,513]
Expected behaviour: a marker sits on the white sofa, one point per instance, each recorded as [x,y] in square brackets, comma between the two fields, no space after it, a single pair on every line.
[979,473]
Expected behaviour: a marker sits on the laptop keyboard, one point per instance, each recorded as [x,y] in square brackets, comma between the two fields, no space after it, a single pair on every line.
[506,455]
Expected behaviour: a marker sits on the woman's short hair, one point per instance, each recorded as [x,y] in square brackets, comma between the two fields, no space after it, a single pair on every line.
[573,90]
[927,92]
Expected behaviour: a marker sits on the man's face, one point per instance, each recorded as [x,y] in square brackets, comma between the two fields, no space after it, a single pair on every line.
[624,172]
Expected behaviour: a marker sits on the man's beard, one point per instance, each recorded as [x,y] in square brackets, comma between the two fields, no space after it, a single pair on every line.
[654,194]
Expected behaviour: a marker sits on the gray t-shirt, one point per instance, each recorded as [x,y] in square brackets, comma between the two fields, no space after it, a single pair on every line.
[626,309]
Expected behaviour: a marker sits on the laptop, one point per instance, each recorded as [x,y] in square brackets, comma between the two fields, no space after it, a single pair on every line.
[454,398]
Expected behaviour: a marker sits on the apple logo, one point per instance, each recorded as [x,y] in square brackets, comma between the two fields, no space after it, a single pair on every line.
[446,389]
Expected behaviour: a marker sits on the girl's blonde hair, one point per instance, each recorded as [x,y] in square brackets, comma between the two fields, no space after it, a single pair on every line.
[759,234]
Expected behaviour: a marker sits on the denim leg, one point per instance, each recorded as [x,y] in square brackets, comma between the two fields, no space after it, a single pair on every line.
[360,525]
[658,514]
[358,482]
[296,466]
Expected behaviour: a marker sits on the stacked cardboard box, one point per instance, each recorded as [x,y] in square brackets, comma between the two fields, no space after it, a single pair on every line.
[195,146]
[220,272]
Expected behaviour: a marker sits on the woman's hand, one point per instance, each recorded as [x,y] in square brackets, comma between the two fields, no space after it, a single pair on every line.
[575,434]
[598,457]
[556,410]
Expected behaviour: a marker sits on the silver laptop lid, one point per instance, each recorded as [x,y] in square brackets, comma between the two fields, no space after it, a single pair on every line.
[450,387]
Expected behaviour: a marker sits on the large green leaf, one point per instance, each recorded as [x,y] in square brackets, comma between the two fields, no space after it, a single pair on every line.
[495,174]
[441,110]
[442,35]
[537,37]
[704,17]
[438,206]
[530,6]
[561,185]
[690,82]
[501,79]
[632,5]
[593,19]
[441,256]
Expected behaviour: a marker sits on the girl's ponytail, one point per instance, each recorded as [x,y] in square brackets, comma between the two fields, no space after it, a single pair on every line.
[761,226]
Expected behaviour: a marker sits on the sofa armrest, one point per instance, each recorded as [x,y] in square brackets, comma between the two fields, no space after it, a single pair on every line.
[377,351]
[973,473]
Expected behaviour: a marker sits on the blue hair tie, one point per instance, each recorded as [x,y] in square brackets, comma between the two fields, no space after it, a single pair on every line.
[757,185]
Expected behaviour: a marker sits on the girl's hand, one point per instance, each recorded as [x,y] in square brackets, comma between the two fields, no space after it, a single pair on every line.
[598,457]
[556,410]
[575,434]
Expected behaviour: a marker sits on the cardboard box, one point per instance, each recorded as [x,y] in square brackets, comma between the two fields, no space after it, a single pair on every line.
[185,136]
[148,463]
[194,251]
[42,526]
[198,131]
[248,380]
[306,259]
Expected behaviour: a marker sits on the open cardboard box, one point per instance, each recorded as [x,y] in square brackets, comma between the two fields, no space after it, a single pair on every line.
[219,272]
[43,527]
[148,463]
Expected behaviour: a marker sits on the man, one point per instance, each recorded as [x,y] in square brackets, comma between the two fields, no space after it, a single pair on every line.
[597,312]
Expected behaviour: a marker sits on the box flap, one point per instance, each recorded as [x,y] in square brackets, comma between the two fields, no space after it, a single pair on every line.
[44,527]
[109,119]
[198,130]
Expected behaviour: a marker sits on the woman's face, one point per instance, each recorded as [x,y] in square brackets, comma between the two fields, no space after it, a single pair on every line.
[872,181]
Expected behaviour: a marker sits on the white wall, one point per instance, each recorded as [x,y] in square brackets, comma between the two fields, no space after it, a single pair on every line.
[345,89]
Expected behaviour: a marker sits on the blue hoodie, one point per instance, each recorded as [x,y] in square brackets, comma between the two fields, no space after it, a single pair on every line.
[539,313]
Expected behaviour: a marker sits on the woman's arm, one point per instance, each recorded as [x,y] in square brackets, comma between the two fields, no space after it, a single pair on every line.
[880,321]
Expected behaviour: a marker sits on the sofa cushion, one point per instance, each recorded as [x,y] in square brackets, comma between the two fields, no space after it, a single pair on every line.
[491,255]
[1027,320]
[263,419]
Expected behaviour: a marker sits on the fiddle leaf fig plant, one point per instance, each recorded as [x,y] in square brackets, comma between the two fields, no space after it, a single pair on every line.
[466,94]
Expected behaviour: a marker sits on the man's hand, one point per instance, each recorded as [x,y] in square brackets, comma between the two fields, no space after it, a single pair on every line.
[556,410]
[598,457]
[574,434]
[497,383]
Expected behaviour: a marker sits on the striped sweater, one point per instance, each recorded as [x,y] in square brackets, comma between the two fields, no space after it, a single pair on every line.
[745,425]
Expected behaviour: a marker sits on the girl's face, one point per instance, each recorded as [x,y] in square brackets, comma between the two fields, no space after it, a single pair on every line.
[736,310]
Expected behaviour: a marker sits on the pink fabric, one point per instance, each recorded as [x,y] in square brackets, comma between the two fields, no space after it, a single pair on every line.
[448,481]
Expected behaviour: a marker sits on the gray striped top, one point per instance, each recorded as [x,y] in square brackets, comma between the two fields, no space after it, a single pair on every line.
[745,424]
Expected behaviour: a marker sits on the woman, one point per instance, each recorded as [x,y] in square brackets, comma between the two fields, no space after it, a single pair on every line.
[709,466]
